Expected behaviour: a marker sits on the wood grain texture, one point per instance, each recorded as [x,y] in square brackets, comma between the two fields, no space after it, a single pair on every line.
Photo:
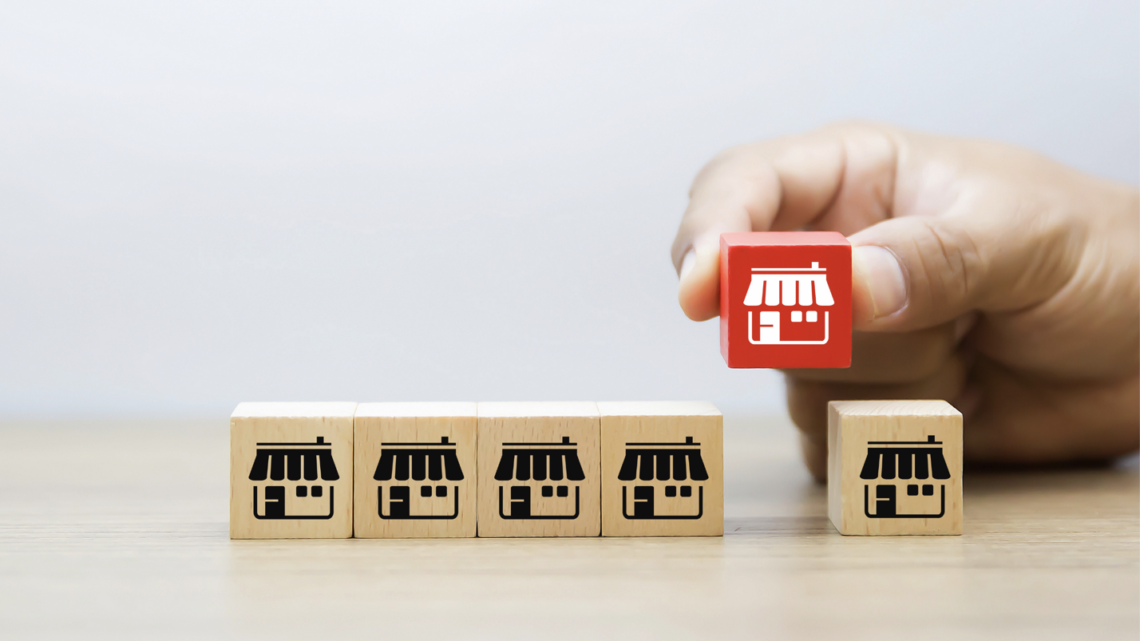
[118,529]
[884,459]
[419,428]
[635,429]
[539,447]
[315,501]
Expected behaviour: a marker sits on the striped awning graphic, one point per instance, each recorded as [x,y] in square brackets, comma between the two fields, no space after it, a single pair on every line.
[540,462]
[663,462]
[904,463]
[789,287]
[418,462]
[294,461]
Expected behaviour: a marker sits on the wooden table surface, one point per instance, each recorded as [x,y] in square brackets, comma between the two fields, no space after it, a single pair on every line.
[119,529]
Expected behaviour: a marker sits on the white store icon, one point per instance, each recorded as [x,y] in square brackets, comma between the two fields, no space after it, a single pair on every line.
[801,292]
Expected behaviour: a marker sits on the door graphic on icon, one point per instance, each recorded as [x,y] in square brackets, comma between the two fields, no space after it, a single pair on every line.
[896,469]
[285,473]
[797,297]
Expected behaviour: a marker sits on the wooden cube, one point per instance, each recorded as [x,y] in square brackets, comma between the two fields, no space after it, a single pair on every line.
[415,470]
[894,467]
[291,471]
[539,467]
[662,469]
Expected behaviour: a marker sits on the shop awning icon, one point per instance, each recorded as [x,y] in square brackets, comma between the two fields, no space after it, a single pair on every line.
[917,460]
[540,461]
[663,461]
[418,461]
[294,461]
[789,287]
[802,288]
[903,460]
[524,463]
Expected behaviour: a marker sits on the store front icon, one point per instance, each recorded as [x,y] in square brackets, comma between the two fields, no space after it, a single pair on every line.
[292,478]
[663,481]
[422,481]
[540,481]
[799,298]
[908,480]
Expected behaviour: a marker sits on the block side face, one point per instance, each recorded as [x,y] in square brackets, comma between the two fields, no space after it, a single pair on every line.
[786,305]
[900,474]
[291,477]
[834,469]
[294,410]
[658,408]
[441,409]
[416,476]
[662,475]
[539,476]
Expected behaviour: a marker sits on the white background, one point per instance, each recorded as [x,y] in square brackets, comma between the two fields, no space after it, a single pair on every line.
[206,203]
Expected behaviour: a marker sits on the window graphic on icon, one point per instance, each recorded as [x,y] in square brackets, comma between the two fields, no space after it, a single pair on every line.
[798,296]
[666,481]
[553,469]
[418,477]
[911,466]
[292,477]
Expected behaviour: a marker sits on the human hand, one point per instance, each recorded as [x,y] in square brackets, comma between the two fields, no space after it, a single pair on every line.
[982,274]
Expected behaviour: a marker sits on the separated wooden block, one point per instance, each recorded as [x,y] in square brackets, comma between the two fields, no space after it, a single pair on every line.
[291,471]
[894,467]
[662,469]
[415,470]
[539,467]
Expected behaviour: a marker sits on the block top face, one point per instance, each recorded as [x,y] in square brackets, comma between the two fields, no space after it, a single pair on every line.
[894,408]
[785,300]
[799,238]
[552,409]
[415,410]
[658,408]
[294,410]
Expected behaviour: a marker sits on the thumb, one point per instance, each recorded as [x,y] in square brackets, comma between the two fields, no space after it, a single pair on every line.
[915,272]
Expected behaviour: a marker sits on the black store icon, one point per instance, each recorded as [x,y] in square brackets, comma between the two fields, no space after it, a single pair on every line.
[552,468]
[680,474]
[421,479]
[292,479]
[912,468]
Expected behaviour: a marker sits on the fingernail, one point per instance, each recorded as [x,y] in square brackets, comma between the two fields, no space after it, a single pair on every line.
[688,263]
[883,277]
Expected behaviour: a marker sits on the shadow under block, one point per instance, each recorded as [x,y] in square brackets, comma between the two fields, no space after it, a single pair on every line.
[894,467]
[415,470]
[291,471]
[662,469]
[539,469]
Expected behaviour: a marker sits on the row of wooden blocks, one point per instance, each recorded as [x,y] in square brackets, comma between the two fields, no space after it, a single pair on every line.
[418,470]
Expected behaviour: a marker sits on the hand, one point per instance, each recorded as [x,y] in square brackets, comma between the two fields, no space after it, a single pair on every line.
[983,274]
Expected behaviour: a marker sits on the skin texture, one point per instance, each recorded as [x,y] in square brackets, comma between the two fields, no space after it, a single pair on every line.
[984,274]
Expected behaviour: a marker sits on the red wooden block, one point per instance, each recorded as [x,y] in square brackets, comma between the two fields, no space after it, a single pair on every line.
[785,299]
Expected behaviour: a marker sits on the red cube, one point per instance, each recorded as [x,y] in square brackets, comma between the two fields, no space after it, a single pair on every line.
[785,299]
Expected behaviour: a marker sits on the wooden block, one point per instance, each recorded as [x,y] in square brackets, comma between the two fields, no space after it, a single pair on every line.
[785,299]
[415,470]
[291,471]
[539,466]
[894,467]
[662,469]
